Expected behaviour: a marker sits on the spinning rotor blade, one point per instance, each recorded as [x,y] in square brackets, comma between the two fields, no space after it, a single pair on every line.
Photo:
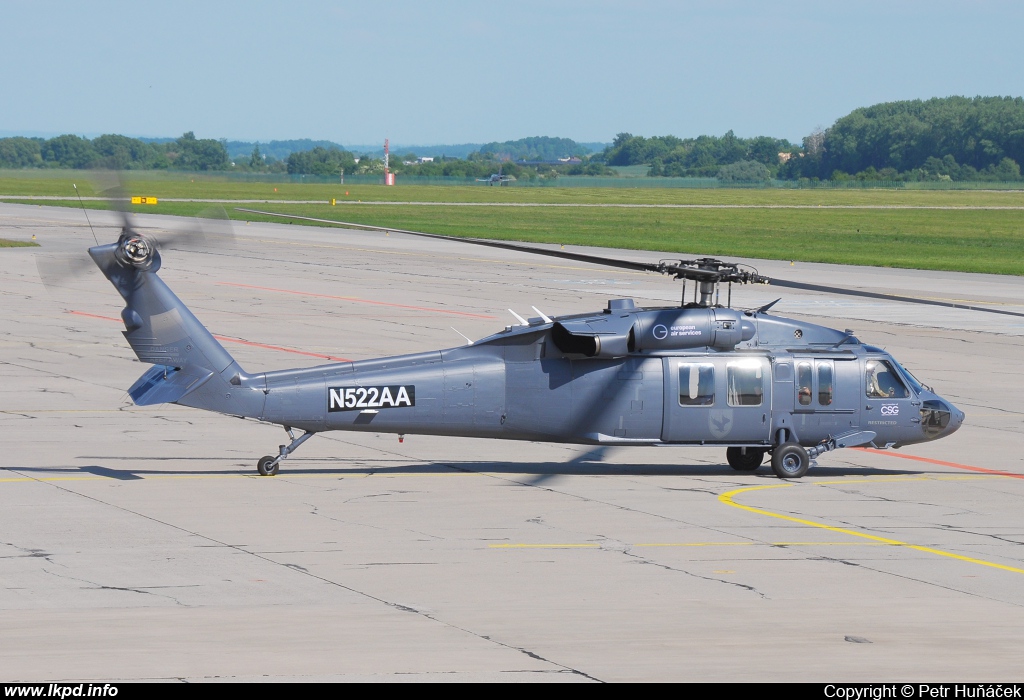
[211,230]
[564,254]
[702,270]
[57,270]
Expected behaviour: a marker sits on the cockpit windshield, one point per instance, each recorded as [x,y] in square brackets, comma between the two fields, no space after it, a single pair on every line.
[917,386]
[883,381]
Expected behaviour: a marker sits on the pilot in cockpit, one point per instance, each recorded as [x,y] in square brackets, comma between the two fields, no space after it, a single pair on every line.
[881,384]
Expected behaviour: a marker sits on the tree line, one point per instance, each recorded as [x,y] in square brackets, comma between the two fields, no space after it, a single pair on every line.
[704,156]
[113,152]
[951,138]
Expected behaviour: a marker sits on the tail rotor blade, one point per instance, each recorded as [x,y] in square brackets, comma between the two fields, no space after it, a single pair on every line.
[60,270]
[211,230]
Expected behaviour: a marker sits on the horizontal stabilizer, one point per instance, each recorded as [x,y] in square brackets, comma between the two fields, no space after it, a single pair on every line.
[167,385]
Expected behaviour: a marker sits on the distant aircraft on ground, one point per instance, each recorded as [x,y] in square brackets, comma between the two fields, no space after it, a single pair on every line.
[497,179]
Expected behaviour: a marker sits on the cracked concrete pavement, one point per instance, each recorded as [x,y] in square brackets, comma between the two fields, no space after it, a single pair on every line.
[136,542]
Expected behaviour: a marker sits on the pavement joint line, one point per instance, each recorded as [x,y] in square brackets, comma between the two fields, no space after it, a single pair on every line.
[455,472]
[325,579]
[689,544]
[280,476]
[727,498]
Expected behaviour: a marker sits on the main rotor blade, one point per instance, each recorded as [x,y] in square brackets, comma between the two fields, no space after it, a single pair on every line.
[564,254]
[639,266]
[888,297]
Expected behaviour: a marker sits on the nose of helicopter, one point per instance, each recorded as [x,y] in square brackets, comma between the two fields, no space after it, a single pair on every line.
[940,418]
[958,419]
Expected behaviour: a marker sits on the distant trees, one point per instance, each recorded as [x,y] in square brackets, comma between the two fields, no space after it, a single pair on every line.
[744,171]
[190,153]
[68,151]
[955,138]
[531,148]
[114,152]
[951,138]
[703,156]
[20,152]
[321,161]
[123,153]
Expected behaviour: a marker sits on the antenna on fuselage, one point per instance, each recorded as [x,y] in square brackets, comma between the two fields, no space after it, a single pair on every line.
[522,321]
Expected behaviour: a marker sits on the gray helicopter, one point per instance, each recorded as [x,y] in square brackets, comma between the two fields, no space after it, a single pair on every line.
[699,373]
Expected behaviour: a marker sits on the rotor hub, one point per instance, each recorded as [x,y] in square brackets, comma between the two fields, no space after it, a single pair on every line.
[135,250]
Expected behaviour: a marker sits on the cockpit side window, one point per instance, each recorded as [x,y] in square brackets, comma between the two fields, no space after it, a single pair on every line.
[696,385]
[883,381]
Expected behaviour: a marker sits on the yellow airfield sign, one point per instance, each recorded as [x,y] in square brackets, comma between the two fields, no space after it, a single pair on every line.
[143,200]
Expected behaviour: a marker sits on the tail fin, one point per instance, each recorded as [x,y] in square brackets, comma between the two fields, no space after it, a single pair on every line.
[193,368]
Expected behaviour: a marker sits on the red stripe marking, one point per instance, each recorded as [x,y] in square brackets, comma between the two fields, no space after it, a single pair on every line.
[236,340]
[105,318]
[355,299]
[939,462]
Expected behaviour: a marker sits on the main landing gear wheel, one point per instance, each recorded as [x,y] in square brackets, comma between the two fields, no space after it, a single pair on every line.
[744,459]
[267,466]
[790,461]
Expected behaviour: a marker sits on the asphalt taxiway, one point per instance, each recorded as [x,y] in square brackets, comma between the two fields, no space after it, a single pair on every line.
[138,543]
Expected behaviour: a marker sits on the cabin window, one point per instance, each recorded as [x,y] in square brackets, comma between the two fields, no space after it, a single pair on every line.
[696,385]
[883,382]
[824,383]
[803,383]
[746,383]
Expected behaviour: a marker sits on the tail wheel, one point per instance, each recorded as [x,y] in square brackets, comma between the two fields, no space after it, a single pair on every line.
[267,466]
[744,459]
[790,461]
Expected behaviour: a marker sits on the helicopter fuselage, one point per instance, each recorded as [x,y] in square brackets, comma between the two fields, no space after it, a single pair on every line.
[520,384]
[690,375]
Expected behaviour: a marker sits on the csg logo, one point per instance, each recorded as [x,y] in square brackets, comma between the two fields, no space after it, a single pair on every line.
[890,409]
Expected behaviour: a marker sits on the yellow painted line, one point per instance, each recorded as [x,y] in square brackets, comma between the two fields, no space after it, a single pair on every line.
[727,499]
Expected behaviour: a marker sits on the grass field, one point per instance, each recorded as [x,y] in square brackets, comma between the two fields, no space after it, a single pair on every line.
[983,233]
[4,243]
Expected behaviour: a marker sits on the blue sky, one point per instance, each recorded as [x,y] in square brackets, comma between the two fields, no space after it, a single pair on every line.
[452,72]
